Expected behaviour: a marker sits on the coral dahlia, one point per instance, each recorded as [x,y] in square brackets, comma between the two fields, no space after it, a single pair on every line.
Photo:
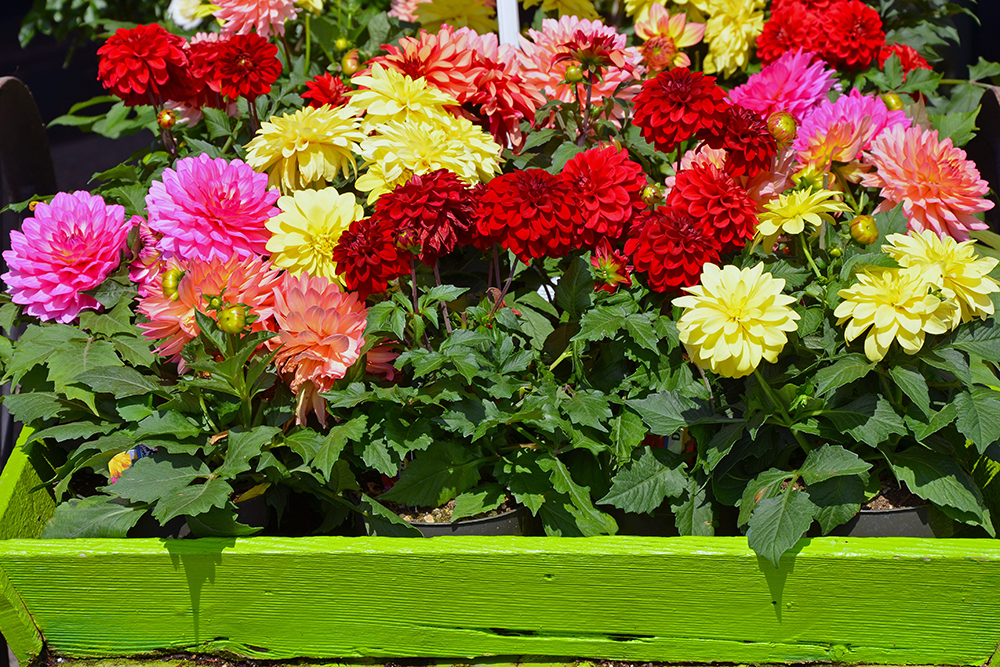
[710,195]
[672,248]
[609,186]
[239,17]
[676,104]
[445,59]
[70,245]
[367,256]
[209,208]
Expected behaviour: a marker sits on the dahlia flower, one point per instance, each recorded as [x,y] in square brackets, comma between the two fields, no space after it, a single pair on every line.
[430,213]
[790,213]
[939,188]
[531,213]
[247,280]
[792,26]
[730,33]
[710,195]
[404,10]
[676,104]
[313,6]
[401,150]
[144,65]
[239,17]
[209,208]
[609,187]
[367,256]
[838,131]
[671,248]
[386,95]
[735,318]
[145,269]
[380,361]
[306,231]
[611,268]
[245,66]
[445,59]
[184,13]
[749,145]
[793,83]
[70,245]
[306,148]
[664,36]
[895,304]
[851,35]
[432,14]
[327,89]
[964,275]
[322,334]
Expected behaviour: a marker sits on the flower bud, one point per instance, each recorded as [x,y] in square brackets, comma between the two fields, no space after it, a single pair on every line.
[169,282]
[573,74]
[350,63]
[782,127]
[893,101]
[166,119]
[341,44]
[864,230]
[809,176]
[651,194]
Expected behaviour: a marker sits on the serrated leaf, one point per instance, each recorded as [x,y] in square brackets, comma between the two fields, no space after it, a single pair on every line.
[120,381]
[868,420]
[694,515]
[95,517]
[960,127]
[135,351]
[217,122]
[627,433]
[168,423]
[588,408]
[192,500]
[243,446]
[157,476]
[924,428]
[79,430]
[837,500]
[641,331]
[979,338]
[843,372]
[778,523]
[832,461]
[941,480]
[589,519]
[601,322]
[721,444]
[563,154]
[220,522]
[36,405]
[978,416]
[383,522]
[524,478]
[667,412]
[642,485]
[482,499]
[983,69]
[861,261]
[765,485]
[575,290]
[914,385]
[436,475]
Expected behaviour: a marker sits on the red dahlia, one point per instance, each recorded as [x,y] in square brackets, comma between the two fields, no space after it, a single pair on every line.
[530,213]
[852,35]
[144,65]
[611,267]
[750,146]
[711,196]
[676,104]
[791,26]
[368,258]
[672,248]
[609,186]
[908,57]
[812,5]
[326,89]
[246,67]
[429,213]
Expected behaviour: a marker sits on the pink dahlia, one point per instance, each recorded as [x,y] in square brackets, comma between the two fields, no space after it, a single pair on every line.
[322,334]
[249,281]
[793,83]
[209,208]
[239,17]
[939,188]
[404,10]
[146,268]
[544,67]
[68,247]
[838,131]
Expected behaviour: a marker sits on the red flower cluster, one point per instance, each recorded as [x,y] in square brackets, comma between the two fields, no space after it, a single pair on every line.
[672,247]
[430,214]
[609,186]
[144,65]
[326,89]
[908,57]
[368,258]
[845,33]
[712,196]
[750,146]
[148,65]
[676,105]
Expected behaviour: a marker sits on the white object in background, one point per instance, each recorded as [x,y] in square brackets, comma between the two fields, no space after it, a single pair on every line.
[508,22]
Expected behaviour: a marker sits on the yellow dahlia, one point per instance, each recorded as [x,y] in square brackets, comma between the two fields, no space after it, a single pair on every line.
[401,150]
[306,148]
[731,32]
[583,9]
[735,318]
[895,304]
[386,95]
[307,229]
[964,274]
[789,213]
[474,14]
[314,6]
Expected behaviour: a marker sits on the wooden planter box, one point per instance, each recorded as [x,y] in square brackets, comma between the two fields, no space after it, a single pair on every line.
[887,601]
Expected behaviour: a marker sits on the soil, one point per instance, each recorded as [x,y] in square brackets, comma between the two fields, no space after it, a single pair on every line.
[893,496]
[442,514]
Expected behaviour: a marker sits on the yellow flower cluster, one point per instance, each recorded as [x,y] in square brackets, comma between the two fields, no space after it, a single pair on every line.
[386,95]
[475,14]
[732,29]
[941,284]
[790,213]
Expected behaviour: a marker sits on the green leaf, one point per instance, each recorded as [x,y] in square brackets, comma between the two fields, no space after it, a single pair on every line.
[601,322]
[111,292]
[157,476]
[484,498]
[383,522]
[960,127]
[35,405]
[978,411]
[79,430]
[443,293]
[192,500]
[36,345]
[557,517]
[667,412]
[765,485]
[642,485]
[219,522]
[694,515]
[627,433]
[641,330]
[436,475]
[96,516]
[983,69]
[563,154]
[168,423]
[889,223]
[914,385]
[861,261]
[941,480]
[721,444]
[845,371]
[832,461]
[575,290]
[243,446]
[78,357]
[118,320]
[217,123]
[924,428]
[120,381]
[868,420]
[979,338]
[537,138]
[778,523]
[524,478]
[589,520]
[588,408]
[135,351]
[838,499]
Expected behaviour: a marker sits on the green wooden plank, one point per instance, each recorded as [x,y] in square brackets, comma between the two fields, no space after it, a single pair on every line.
[23,513]
[16,624]
[627,598]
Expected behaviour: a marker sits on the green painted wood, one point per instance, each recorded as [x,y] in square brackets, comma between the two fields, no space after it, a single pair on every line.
[627,598]
[23,512]
[16,624]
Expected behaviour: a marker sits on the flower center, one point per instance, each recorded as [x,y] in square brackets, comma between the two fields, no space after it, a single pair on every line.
[659,52]
[323,244]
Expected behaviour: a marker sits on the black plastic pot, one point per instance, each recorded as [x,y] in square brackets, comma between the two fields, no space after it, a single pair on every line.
[508,523]
[922,521]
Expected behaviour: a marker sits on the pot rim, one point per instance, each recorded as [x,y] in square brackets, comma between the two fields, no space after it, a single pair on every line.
[485,519]
[911,508]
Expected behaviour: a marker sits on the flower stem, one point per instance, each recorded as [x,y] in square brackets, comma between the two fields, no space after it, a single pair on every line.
[308,42]
[444,306]
[781,408]
[503,292]
[566,354]
[805,250]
